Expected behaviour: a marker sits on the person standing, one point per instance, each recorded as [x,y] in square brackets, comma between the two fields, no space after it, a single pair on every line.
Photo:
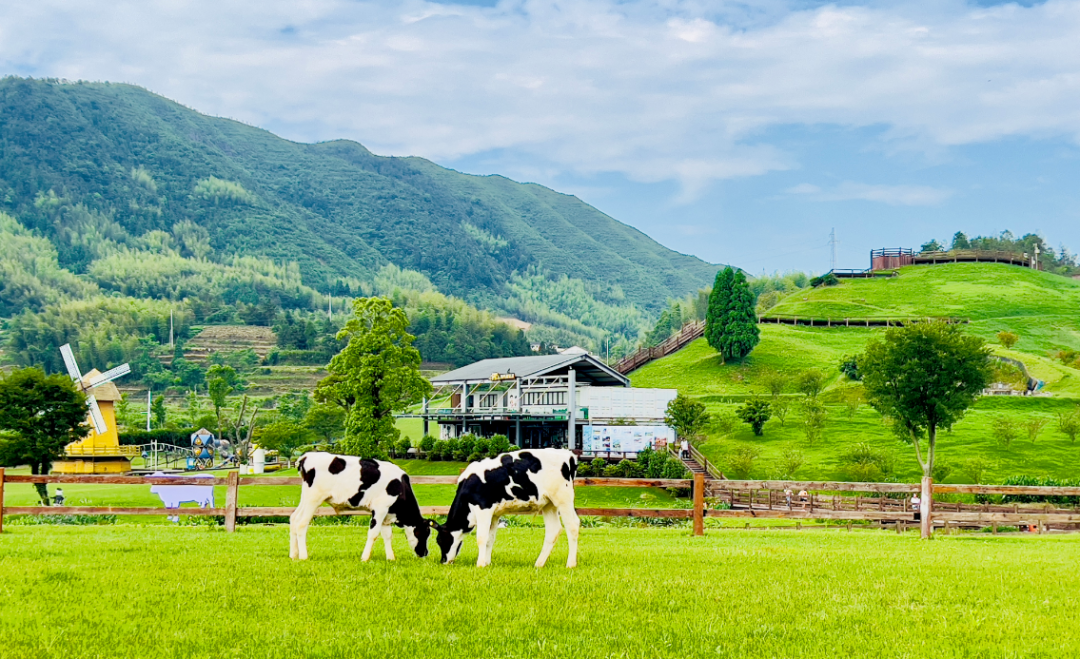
[685,447]
[916,504]
[58,498]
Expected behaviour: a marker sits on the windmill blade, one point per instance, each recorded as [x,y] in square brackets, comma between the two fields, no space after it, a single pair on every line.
[69,361]
[109,375]
[95,416]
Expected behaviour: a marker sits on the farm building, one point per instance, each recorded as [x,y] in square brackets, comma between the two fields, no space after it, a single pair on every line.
[570,400]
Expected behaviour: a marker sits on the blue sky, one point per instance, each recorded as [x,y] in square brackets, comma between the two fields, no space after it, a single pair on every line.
[739,132]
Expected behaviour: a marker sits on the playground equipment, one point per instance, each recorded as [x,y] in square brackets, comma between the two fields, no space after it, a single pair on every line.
[203,445]
[100,452]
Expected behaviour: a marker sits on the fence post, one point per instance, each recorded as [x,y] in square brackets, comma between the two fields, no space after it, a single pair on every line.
[1,499]
[231,497]
[699,504]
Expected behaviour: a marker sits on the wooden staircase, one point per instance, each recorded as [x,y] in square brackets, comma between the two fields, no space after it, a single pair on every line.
[698,464]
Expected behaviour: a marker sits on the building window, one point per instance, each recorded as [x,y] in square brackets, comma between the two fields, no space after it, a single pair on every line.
[551,398]
[489,400]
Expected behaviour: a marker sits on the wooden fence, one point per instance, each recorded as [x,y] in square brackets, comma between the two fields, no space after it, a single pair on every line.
[827,500]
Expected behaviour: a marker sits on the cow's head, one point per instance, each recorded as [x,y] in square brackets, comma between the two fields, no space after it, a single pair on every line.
[449,541]
[418,538]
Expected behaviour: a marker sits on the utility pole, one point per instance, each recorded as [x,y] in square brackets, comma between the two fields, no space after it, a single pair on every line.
[147,410]
[1035,261]
[330,305]
[170,328]
[832,247]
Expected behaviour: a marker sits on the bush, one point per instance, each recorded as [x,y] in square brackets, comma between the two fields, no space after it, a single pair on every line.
[177,437]
[466,446]
[401,448]
[741,461]
[626,468]
[482,446]
[499,444]
[850,367]
[755,412]
[438,451]
[427,443]
[828,279]
[476,456]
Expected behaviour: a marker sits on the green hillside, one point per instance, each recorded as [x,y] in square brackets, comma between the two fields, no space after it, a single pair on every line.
[1043,309]
[94,167]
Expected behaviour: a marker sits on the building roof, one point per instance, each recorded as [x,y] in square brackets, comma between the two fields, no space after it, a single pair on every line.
[586,367]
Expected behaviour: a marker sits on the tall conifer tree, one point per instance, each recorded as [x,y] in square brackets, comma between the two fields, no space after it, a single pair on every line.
[741,333]
[719,300]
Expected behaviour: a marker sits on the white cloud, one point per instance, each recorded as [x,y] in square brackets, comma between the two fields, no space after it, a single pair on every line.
[656,90]
[894,195]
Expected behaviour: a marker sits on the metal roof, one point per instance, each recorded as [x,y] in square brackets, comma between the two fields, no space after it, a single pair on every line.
[586,367]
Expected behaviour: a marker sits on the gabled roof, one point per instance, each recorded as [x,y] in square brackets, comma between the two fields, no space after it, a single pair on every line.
[587,369]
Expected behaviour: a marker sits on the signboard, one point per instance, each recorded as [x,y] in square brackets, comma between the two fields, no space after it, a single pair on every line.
[500,377]
[625,439]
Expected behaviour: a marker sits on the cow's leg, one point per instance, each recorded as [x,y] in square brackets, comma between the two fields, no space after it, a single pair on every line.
[572,523]
[388,537]
[484,520]
[491,536]
[552,529]
[298,526]
[377,518]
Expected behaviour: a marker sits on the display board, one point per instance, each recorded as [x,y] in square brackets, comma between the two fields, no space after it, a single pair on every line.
[625,439]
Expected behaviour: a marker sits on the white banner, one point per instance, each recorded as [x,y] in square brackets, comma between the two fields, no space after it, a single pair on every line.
[625,439]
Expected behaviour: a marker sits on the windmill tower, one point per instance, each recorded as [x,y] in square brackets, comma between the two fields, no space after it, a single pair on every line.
[100,452]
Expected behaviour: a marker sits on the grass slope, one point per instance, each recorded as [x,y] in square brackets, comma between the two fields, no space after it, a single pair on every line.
[183,592]
[334,207]
[1044,309]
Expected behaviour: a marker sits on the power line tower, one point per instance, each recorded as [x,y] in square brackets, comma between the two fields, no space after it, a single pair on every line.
[832,247]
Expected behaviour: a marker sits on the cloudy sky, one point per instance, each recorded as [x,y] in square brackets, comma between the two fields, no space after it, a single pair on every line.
[739,132]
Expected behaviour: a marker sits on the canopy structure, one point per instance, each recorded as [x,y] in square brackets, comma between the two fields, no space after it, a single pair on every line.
[587,369]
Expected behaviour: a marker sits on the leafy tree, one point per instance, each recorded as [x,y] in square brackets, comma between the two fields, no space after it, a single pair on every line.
[375,375]
[810,382]
[1069,423]
[123,411]
[854,397]
[755,412]
[741,333]
[1034,426]
[1007,339]
[932,246]
[814,416]
[925,376]
[1004,430]
[850,367]
[975,468]
[294,405]
[158,412]
[326,420]
[285,437]
[39,415]
[741,460]
[220,382]
[960,241]
[791,460]
[774,382]
[687,416]
[780,409]
[194,408]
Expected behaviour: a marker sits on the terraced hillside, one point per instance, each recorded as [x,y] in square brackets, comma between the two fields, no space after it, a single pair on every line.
[229,338]
[1043,309]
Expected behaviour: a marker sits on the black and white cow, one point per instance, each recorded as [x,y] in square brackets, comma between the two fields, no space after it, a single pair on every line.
[349,482]
[530,481]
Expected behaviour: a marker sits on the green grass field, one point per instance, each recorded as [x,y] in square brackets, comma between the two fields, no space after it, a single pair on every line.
[126,591]
[1043,309]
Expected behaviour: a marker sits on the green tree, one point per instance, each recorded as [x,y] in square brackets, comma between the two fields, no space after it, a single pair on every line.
[924,376]
[814,416]
[687,416]
[285,437]
[158,412]
[39,415]
[810,382]
[375,375]
[1004,430]
[294,405]
[755,412]
[775,382]
[221,381]
[1069,423]
[741,460]
[194,408]
[326,420]
[123,411]
[960,241]
[1007,339]
[932,246]
[717,313]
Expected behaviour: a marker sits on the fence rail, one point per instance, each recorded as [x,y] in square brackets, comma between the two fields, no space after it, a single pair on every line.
[828,500]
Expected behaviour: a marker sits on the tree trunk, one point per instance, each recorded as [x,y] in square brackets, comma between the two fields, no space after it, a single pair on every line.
[926,508]
[42,488]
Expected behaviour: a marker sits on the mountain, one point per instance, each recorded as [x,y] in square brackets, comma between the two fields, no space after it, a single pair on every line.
[93,164]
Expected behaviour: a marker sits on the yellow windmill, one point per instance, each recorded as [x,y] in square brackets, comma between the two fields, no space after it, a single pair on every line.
[100,451]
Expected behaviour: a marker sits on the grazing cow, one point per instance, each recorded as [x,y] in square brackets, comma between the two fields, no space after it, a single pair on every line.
[530,481]
[349,482]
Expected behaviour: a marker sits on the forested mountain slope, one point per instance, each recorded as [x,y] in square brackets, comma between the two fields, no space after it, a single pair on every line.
[94,165]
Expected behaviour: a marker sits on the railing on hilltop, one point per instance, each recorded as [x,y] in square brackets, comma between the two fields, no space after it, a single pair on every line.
[859,322]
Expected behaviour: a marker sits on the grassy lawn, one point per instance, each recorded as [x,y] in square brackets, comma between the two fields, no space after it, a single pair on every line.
[127,591]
